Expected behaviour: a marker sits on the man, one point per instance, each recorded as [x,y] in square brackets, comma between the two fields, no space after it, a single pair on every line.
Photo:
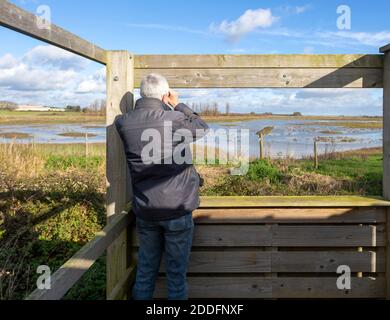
[165,189]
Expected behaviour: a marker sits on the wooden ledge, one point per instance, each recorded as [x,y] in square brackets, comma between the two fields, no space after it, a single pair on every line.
[385,48]
[292,201]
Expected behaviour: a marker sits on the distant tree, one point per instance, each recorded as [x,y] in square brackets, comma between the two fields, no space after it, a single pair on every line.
[97,106]
[70,108]
[102,107]
[227,108]
[8,105]
[297,114]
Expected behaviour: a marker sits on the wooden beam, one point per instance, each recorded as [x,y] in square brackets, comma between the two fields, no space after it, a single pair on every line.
[119,100]
[257,261]
[286,287]
[268,77]
[385,48]
[290,215]
[17,19]
[70,272]
[287,236]
[221,61]
[292,201]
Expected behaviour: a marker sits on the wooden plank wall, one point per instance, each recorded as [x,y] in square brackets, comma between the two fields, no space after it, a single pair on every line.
[386,147]
[264,71]
[286,253]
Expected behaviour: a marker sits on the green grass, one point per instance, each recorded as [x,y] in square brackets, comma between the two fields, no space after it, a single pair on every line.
[366,172]
[48,215]
[260,170]
[55,162]
[359,175]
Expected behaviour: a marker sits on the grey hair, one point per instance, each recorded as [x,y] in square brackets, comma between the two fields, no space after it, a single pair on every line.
[154,85]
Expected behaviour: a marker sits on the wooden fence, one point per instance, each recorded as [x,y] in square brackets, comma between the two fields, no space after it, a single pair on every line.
[273,247]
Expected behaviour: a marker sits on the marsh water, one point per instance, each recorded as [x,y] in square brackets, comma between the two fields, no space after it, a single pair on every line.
[292,138]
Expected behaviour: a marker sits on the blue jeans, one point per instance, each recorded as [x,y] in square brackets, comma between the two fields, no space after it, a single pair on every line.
[174,238]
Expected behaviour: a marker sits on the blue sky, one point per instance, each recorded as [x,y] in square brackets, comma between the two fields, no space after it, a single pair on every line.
[32,72]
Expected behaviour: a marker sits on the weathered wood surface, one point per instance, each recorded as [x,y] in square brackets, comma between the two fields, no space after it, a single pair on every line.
[387,254]
[292,287]
[256,261]
[216,61]
[386,128]
[287,236]
[385,48]
[268,78]
[123,287]
[290,215]
[264,71]
[386,151]
[292,201]
[70,272]
[119,100]
[25,22]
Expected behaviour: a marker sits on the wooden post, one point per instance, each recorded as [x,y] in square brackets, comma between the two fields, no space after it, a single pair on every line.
[315,154]
[261,141]
[261,134]
[120,84]
[386,154]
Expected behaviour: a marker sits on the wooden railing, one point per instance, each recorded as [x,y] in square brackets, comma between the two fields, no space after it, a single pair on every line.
[124,72]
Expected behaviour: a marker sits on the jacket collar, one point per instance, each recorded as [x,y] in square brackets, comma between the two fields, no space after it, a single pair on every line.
[149,103]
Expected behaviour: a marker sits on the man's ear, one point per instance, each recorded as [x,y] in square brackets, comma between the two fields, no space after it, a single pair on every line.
[165,99]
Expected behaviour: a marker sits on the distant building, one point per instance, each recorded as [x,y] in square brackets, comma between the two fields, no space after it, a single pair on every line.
[29,107]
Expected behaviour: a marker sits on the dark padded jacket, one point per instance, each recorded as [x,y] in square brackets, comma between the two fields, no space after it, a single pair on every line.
[165,190]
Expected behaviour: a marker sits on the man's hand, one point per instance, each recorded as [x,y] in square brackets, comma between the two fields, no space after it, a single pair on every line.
[172,98]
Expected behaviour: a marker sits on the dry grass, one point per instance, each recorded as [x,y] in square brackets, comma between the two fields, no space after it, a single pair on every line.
[76,134]
[20,160]
[15,135]
[353,124]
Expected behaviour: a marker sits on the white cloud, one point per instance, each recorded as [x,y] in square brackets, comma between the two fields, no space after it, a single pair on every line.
[56,57]
[8,61]
[374,39]
[50,76]
[301,9]
[289,10]
[18,75]
[94,83]
[308,101]
[249,21]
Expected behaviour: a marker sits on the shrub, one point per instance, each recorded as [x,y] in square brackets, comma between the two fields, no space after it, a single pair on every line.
[262,169]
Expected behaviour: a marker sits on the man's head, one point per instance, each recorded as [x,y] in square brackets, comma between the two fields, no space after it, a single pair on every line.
[154,86]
